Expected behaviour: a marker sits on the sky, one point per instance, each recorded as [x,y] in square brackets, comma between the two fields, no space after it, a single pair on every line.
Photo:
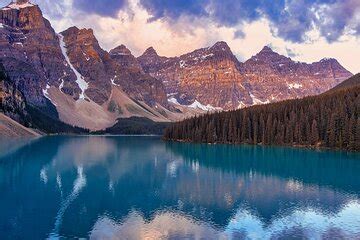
[305,30]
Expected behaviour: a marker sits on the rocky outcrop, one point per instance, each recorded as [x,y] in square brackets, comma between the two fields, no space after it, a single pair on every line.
[60,74]
[31,54]
[13,111]
[69,77]
[122,55]
[215,78]
[101,70]
[211,76]
[151,61]
[134,81]
[88,59]
[12,101]
[273,77]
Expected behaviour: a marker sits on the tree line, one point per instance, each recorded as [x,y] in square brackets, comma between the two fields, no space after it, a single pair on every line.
[329,120]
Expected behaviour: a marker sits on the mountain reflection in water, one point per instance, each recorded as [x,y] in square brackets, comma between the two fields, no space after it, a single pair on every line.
[143,188]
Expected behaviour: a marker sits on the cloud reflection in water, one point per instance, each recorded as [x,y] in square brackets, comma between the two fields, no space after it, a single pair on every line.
[306,223]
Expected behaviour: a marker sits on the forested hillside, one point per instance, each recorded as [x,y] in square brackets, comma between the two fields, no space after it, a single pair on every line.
[328,120]
[136,126]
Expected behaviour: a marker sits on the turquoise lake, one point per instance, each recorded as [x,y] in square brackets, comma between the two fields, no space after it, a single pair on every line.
[144,188]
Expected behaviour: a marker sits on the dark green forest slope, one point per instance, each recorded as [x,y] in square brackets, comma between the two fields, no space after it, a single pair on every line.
[136,126]
[329,120]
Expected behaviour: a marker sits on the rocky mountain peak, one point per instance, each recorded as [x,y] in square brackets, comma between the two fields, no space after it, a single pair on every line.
[23,14]
[266,49]
[72,29]
[150,60]
[329,63]
[121,50]
[220,46]
[329,60]
[85,32]
[84,37]
[332,65]
[267,52]
[18,4]
[268,56]
[124,58]
[150,52]
[219,51]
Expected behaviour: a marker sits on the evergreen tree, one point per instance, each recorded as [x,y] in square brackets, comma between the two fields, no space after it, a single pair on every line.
[328,120]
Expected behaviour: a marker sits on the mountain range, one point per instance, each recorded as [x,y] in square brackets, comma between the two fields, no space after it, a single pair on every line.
[69,78]
[215,78]
[330,120]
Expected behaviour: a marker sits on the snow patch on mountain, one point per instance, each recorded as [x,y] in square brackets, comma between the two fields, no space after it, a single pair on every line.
[83,85]
[198,105]
[182,64]
[207,56]
[241,105]
[174,101]
[195,105]
[18,6]
[257,101]
[113,81]
[294,85]
[46,94]
[61,85]
[86,57]
[45,91]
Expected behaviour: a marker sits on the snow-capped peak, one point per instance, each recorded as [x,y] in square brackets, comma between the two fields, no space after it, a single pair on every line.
[18,4]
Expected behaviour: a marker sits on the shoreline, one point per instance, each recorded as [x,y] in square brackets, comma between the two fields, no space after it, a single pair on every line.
[296,146]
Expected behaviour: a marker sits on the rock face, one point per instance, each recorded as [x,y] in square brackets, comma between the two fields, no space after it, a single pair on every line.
[134,81]
[87,58]
[69,72]
[12,101]
[31,54]
[273,77]
[113,84]
[70,77]
[99,70]
[214,77]
[211,76]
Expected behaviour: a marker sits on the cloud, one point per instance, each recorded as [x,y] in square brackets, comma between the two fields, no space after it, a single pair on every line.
[290,19]
[108,8]
[176,33]
[174,9]
[239,34]
[293,22]
[334,19]
[311,223]
[291,53]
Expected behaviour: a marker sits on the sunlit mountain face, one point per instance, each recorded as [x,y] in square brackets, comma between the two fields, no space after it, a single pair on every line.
[85,66]
[143,188]
[135,66]
[306,30]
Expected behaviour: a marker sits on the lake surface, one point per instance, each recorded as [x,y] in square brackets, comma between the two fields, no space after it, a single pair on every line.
[143,188]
